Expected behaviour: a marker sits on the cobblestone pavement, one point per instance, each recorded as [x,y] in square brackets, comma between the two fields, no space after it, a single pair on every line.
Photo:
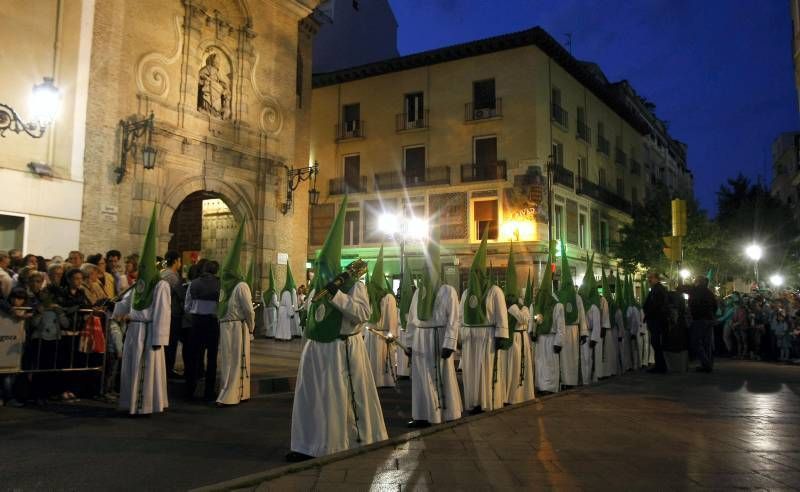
[736,428]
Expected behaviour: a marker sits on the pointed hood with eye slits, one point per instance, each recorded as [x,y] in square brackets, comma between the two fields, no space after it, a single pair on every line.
[589,295]
[431,280]
[567,293]
[546,299]
[406,293]
[231,274]
[148,270]
[377,288]
[528,291]
[478,286]
[511,289]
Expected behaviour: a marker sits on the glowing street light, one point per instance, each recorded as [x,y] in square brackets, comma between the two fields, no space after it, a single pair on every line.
[776,280]
[685,274]
[417,229]
[389,223]
[45,102]
[401,229]
[754,252]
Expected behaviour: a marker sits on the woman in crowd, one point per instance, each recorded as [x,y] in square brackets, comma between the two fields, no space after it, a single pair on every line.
[132,268]
[105,279]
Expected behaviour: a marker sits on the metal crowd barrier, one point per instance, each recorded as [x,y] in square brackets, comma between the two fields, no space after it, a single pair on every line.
[24,355]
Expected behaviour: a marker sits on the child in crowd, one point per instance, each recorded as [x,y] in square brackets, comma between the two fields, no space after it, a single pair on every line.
[13,318]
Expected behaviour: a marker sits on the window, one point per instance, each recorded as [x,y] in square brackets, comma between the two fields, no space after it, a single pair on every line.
[485,149]
[634,195]
[351,228]
[12,232]
[352,171]
[581,114]
[556,96]
[583,168]
[573,234]
[621,187]
[485,216]
[604,239]
[558,154]
[601,177]
[414,167]
[351,117]
[321,220]
[483,96]
[582,230]
[451,210]
[558,221]
[414,104]
[601,129]
[595,230]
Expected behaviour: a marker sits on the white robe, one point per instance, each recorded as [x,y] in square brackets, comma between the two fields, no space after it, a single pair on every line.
[286,317]
[548,373]
[381,354]
[297,330]
[519,359]
[323,421]
[570,350]
[234,346]
[634,335]
[403,362]
[611,348]
[435,396]
[270,315]
[143,382]
[484,386]
[592,364]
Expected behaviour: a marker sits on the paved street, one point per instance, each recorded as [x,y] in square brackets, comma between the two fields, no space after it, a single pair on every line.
[737,428]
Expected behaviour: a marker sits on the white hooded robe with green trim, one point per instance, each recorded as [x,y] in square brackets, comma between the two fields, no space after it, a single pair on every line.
[593,366]
[323,421]
[235,328]
[435,396]
[478,354]
[570,350]
[519,373]
[288,322]
[143,380]
[547,362]
[381,354]
[271,314]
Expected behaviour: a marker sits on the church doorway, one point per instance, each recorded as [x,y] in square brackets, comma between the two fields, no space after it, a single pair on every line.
[202,226]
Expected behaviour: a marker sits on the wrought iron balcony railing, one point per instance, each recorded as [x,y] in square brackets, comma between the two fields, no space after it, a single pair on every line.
[564,177]
[404,121]
[602,195]
[483,110]
[430,176]
[489,171]
[602,145]
[350,129]
[340,186]
[559,115]
[584,132]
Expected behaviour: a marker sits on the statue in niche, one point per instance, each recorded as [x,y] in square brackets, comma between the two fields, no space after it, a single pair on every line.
[214,89]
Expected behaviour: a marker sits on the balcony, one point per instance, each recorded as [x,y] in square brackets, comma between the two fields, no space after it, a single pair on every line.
[584,132]
[564,177]
[602,195]
[350,129]
[602,145]
[431,176]
[341,186]
[559,115]
[620,157]
[489,171]
[474,111]
[404,123]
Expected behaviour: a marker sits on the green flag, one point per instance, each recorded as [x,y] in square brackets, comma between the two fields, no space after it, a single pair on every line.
[324,320]
[148,270]
[478,286]
[289,284]
[528,291]
[376,288]
[566,291]
[406,292]
[271,286]
[590,296]
[546,299]
[430,278]
[511,290]
[231,273]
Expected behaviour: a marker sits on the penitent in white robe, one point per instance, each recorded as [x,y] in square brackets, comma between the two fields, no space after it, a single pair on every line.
[403,362]
[234,346]
[435,396]
[592,363]
[623,345]
[483,369]
[570,351]
[519,359]
[297,330]
[143,382]
[634,335]
[270,315]
[548,371]
[610,348]
[646,350]
[286,314]
[323,421]
[381,354]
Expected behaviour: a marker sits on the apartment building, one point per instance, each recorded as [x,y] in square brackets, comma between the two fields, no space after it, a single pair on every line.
[462,137]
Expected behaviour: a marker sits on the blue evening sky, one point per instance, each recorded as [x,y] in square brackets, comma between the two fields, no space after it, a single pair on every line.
[720,71]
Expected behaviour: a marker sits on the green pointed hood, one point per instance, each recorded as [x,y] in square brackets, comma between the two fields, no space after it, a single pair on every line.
[645,290]
[271,286]
[511,289]
[251,276]
[590,296]
[376,288]
[606,286]
[632,292]
[567,293]
[528,291]
[622,296]
[617,296]
[289,285]
[478,286]
[148,270]
[231,274]
[324,320]
[431,281]
[406,292]
[546,299]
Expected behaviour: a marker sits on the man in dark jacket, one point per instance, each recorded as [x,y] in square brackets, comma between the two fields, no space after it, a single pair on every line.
[172,274]
[703,308]
[203,336]
[656,311]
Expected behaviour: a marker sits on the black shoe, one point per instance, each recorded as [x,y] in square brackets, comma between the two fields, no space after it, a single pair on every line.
[418,424]
[475,411]
[295,457]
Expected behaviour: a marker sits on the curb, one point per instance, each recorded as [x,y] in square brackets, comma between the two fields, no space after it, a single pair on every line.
[259,477]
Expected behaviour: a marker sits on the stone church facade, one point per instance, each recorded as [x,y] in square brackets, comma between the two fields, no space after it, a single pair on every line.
[228,85]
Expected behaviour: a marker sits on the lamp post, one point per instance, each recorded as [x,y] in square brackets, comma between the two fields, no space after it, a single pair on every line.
[684,274]
[45,101]
[754,252]
[293,179]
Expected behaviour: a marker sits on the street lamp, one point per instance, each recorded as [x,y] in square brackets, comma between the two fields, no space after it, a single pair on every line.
[402,229]
[685,274]
[754,252]
[776,280]
[45,101]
